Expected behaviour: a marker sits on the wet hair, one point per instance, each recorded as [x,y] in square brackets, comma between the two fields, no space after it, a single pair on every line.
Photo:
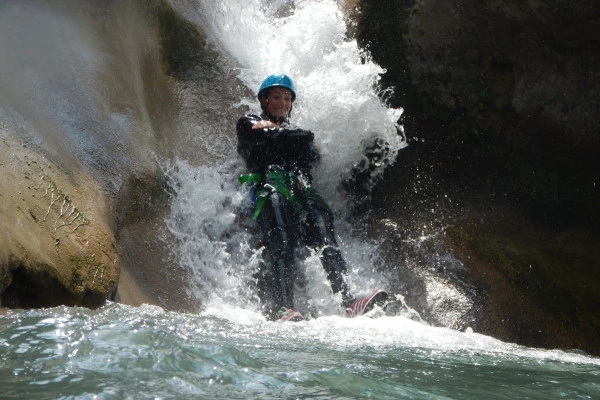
[264,94]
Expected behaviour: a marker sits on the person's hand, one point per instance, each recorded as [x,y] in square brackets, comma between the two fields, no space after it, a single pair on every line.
[264,124]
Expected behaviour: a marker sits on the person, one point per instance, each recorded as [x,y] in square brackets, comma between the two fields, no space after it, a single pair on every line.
[290,212]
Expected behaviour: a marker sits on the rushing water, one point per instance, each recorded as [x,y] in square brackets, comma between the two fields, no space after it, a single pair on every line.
[337,98]
[229,350]
[121,352]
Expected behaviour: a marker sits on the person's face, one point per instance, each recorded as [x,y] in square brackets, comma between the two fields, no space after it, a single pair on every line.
[279,102]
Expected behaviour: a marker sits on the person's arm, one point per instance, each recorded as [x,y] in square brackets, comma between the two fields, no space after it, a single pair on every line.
[297,134]
[251,128]
[264,124]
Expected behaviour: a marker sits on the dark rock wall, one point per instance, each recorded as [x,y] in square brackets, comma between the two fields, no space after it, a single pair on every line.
[503,94]
[501,101]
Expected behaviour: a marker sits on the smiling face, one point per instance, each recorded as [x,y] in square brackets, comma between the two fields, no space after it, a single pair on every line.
[279,102]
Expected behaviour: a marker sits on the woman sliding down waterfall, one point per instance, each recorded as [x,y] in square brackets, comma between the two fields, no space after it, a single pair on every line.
[289,211]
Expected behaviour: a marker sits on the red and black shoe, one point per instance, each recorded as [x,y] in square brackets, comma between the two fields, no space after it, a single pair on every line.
[364,305]
[287,314]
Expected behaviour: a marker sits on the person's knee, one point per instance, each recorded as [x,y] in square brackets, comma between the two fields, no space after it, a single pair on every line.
[330,252]
[319,229]
[333,260]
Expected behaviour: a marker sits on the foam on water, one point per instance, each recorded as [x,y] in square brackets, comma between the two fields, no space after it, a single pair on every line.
[383,332]
[144,352]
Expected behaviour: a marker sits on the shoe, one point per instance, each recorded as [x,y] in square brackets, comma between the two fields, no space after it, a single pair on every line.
[364,305]
[287,314]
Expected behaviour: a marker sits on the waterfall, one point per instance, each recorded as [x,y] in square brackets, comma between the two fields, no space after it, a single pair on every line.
[338,99]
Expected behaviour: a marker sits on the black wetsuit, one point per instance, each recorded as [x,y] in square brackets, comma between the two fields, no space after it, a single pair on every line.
[288,219]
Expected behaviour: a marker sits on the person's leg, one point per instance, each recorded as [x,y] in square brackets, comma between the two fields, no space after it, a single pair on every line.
[320,234]
[276,222]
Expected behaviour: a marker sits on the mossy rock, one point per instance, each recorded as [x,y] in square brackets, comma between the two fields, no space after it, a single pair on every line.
[541,285]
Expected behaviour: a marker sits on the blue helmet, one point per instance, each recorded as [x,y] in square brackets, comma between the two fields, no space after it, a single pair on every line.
[278,80]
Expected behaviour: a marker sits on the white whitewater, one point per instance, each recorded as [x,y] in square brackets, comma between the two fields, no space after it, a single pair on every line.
[337,98]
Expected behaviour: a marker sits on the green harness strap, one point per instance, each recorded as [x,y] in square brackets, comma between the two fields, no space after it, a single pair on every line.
[277,181]
[250,178]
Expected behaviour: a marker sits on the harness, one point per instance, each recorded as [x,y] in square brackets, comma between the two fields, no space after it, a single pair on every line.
[288,183]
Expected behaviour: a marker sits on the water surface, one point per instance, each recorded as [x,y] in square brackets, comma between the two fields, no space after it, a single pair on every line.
[121,352]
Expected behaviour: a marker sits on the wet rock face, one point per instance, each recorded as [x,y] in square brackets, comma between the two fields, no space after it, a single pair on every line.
[525,55]
[501,101]
[56,246]
[499,94]
[133,78]
[529,56]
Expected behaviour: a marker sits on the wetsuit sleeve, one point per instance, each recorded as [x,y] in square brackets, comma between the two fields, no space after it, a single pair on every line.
[259,147]
[288,147]
[297,134]
[282,135]
[255,136]
[244,127]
